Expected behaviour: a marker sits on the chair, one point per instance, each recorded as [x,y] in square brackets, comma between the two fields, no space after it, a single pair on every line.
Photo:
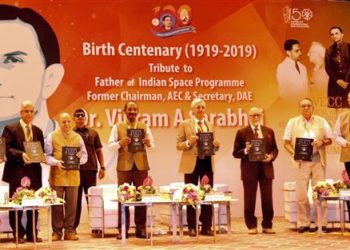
[103,208]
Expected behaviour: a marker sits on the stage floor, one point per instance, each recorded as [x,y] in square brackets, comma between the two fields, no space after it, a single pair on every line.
[286,237]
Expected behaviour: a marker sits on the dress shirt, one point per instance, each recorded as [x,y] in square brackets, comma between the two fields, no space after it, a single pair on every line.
[24,127]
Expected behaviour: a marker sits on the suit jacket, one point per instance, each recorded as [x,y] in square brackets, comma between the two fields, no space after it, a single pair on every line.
[189,154]
[249,170]
[14,168]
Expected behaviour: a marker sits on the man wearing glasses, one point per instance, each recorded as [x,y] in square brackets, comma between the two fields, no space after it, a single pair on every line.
[195,166]
[308,125]
[18,165]
[88,170]
[256,172]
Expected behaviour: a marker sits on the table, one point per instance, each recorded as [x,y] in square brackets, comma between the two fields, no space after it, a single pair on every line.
[227,201]
[341,201]
[175,205]
[14,207]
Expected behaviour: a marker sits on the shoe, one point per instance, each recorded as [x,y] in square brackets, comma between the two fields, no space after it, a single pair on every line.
[207,232]
[20,240]
[56,237]
[192,232]
[38,239]
[70,236]
[324,229]
[253,231]
[303,229]
[119,236]
[96,231]
[268,231]
[141,234]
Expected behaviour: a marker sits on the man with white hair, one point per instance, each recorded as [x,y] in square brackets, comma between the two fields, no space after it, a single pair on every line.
[64,181]
[256,172]
[18,166]
[310,126]
[195,166]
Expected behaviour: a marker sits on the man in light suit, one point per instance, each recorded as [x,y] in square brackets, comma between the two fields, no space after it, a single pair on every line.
[195,166]
[254,172]
[18,165]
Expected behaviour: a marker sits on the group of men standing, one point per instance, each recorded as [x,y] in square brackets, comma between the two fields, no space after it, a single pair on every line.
[133,167]
[67,184]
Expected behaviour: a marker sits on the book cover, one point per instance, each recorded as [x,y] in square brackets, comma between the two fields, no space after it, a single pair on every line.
[205,144]
[136,136]
[258,151]
[34,151]
[70,159]
[303,149]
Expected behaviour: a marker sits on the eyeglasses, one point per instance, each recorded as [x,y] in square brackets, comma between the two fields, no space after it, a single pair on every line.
[79,115]
[305,105]
[255,115]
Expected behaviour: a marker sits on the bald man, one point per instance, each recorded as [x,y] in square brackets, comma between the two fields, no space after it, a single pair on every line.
[256,172]
[18,165]
[64,182]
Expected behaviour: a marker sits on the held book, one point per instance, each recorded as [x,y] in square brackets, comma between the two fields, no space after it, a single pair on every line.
[303,149]
[34,151]
[136,136]
[205,144]
[2,148]
[258,151]
[70,159]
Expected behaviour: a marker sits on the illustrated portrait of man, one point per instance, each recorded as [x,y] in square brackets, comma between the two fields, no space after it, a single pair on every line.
[30,67]
[291,73]
[338,69]
[167,22]
[319,77]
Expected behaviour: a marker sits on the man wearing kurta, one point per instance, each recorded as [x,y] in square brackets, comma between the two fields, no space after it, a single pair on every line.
[64,182]
[308,125]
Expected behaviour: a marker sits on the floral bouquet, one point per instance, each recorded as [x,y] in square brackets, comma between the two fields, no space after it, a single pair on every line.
[23,191]
[327,188]
[204,187]
[128,193]
[49,195]
[191,194]
[147,187]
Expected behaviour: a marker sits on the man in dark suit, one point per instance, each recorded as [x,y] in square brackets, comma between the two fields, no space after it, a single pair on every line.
[18,165]
[254,172]
[337,64]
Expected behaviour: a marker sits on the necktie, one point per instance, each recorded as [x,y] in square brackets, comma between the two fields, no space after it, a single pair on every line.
[28,133]
[297,66]
[256,134]
[200,127]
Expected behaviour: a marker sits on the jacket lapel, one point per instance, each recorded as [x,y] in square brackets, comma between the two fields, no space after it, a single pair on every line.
[20,133]
[193,126]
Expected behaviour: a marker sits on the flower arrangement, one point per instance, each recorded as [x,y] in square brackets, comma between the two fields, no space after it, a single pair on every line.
[191,194]
[49,195]
[23,191]
[147,186]
[204,187]
[328,188]
[128,193]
